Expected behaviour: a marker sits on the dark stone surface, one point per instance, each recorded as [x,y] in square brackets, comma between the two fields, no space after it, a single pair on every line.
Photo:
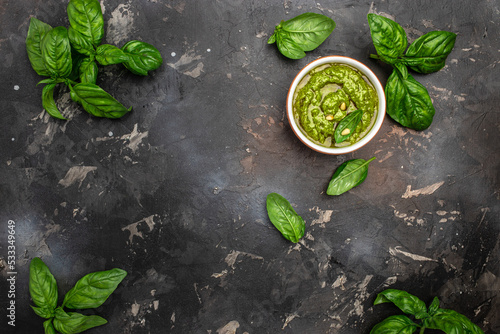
[174,192]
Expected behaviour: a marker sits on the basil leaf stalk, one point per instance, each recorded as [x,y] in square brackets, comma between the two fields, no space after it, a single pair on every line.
[348,175]
[302,33]
[284,217]
[36,31]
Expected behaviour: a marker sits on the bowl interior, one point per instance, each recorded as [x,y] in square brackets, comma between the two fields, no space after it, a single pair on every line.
[365,71]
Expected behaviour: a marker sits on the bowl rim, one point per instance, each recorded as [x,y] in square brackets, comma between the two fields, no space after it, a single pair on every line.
[359,66]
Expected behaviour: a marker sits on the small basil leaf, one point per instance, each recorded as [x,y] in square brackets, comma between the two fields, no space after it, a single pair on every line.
[88,71]
[408,303]
[395,324]
[347,125]
[107,54]
[348,175]
[48,327]
[96,101]
[308,30]
[42,285]
[403,70]
[288,47]
[452,322]
[284,217]
[428,53]
[43,312]
[73,323]
[434,306]
[272,39]
[408,102]
[56,52]
[93,289]
[143,57]
[85,17]
[36,31]
[48,102]
[80,43]
[389,38]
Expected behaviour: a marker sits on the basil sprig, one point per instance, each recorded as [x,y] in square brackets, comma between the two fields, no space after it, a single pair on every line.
[408,101]
[284,218]
[91,291]
[302,33]
[73,54]
[434,317]
[348,175]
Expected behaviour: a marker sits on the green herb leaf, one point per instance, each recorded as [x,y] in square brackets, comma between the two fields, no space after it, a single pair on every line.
[347,126]
[36,31]
[80,43]
[288,47]
[272,39]
[408,102]
[85,17]
[408,303]
[395,324]
[434,306]
[73,323]
[93,289]
[48,327]
[284,217]
[389,38]
[43,312]
[48,102]
[108,54]
[42,285]
[143,57]
[452,322]
[348,175]
[56,52]
[428,53]
[96,101]
[88,71]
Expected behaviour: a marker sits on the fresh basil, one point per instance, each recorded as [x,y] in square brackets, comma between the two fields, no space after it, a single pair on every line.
[48,327]
[80,43]
[406,302]
[348,175]
[36,31]
[107,54]
[284,218]
[97,101]
[302,33]
[450,321]
[88,71]
[408,102]
[142,57]
[395,324]
[347,126]
[389,38]
[93,289]
[85,17]
[428,53]
[42,285]
[56,52]
[72,322]
[48,102]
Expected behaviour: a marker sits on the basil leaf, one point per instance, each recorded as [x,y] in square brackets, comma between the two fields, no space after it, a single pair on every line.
[272,39]
[348,175]
[107,54]
[88,71]
[93,289]
[48,102]
[452,322]
[395,324]
[85,17]
[308,30]
[42,285]
[284,217]
[347,125]
[80,43]
[288,47]
[402,69]
[408,102]
[36,31]
[434,306]
[48,327]
[43,312]
[73,323]
[56,52]
[408,303]
[143,57]
[96,101]
[428,53]
[389,38]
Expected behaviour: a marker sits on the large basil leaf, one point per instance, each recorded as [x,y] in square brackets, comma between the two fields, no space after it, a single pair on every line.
[49,327]
[88,71]
[452,322]
[408,102]
[395,324]
[96,101]
[407,302]
[347,126]
[36,31]
[85,17]
[143,57]
[93,289]
[80,43]
[108,54]
[42,285]
[284,217]
[389,38]
[48,102]
[43,312]
[73,323]
[428,53]
[56,52]
[347,176]
[288,47]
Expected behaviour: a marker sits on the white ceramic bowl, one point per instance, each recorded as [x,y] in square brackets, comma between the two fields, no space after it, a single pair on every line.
[366,72]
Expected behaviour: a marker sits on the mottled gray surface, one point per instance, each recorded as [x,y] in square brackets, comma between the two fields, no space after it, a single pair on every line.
[174,192]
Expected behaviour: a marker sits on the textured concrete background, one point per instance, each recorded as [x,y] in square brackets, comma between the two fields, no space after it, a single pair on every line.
[174,192]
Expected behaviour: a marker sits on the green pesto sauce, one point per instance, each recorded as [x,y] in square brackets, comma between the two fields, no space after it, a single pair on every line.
[320,95]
